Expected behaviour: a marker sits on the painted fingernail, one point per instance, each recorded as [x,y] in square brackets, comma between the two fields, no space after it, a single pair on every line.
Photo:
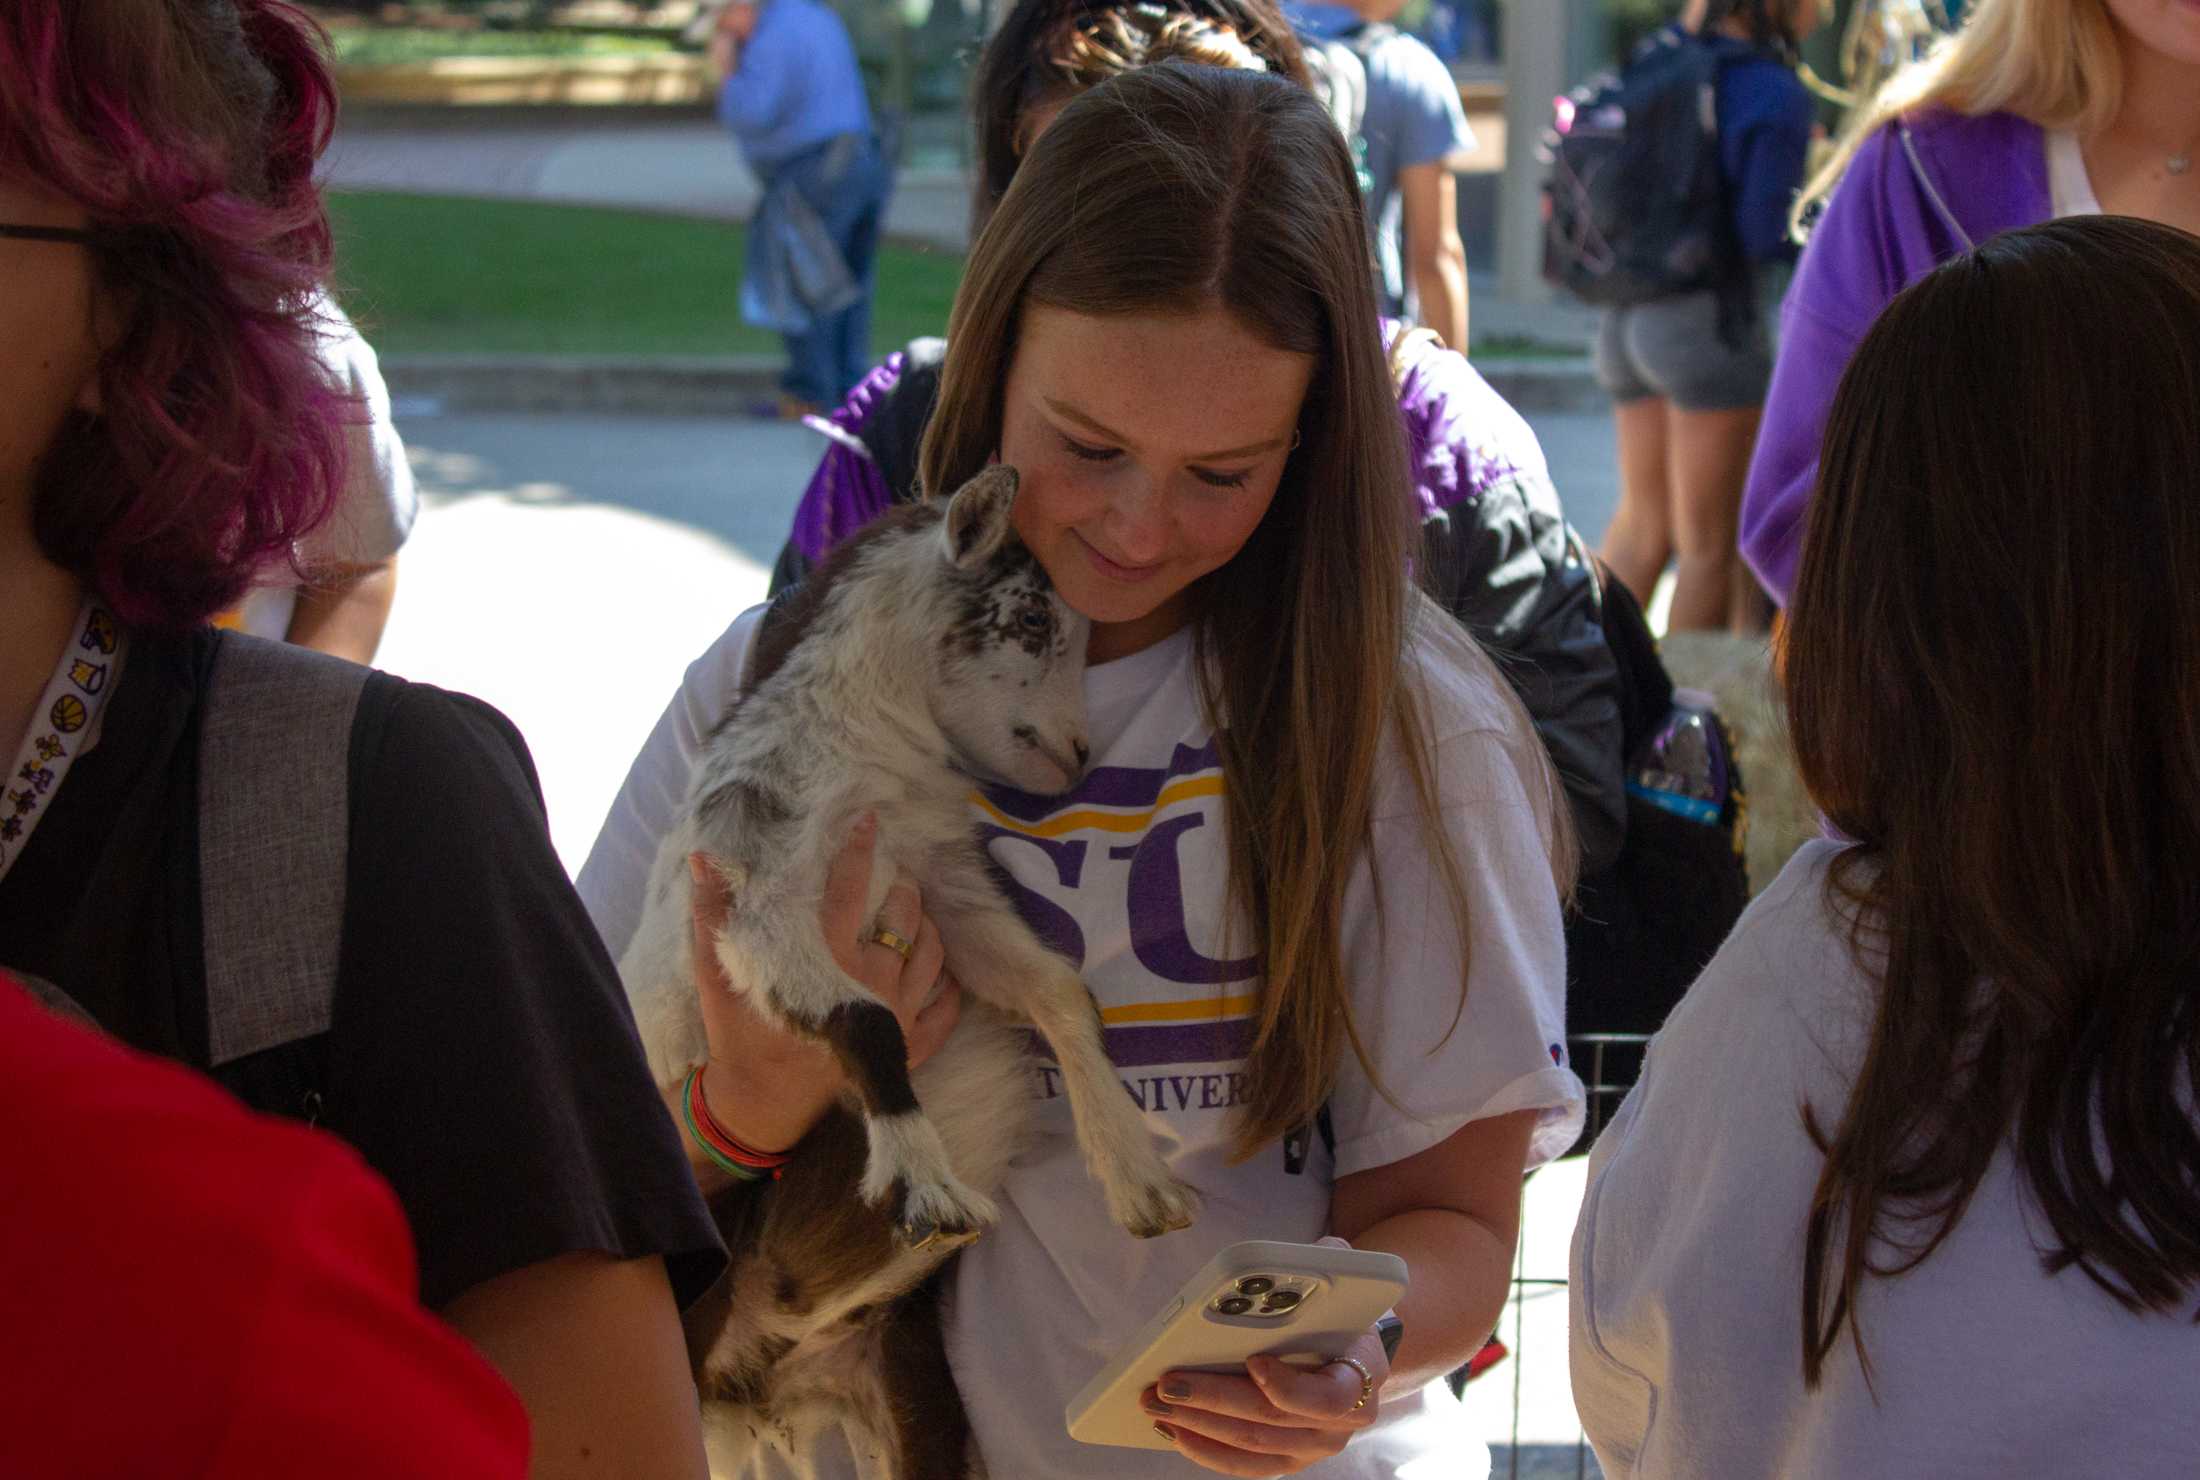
[1159,1409]
[1165,1432]
[1177,1390]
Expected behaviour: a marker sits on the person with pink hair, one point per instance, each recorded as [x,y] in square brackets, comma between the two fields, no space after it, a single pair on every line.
[165,433]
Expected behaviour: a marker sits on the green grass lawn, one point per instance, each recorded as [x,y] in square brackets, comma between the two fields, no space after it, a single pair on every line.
[435,275]
[382,46]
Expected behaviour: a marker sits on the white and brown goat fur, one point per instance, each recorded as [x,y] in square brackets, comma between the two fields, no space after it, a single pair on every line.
[929,652]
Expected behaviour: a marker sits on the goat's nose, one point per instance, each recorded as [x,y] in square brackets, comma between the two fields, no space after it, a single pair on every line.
[1084,752]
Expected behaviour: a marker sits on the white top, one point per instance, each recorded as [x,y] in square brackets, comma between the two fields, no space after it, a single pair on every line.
[1687,1267]
[2069,187]
[375,512]
[1126,872]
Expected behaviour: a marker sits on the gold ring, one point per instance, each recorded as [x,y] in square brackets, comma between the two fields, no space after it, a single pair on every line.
[1367,1379]
[894,941]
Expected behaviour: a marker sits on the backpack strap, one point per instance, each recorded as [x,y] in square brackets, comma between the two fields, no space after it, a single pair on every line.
[1932,191]
[274,829]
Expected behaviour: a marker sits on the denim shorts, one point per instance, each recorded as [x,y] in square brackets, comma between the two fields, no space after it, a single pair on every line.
[1671,347]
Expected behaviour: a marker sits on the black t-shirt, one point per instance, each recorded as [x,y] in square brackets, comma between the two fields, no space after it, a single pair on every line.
[481,1054]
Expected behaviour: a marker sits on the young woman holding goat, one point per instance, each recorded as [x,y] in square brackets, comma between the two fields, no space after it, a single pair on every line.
[1313,871]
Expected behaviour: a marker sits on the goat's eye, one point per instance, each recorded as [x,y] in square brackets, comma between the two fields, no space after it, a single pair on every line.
[1036,621]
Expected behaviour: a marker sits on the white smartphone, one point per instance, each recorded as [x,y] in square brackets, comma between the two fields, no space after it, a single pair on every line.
[1303,1303]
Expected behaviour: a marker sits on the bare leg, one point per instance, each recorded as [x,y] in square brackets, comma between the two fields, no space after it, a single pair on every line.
[1639,538]
[1751,613]
[1710,459]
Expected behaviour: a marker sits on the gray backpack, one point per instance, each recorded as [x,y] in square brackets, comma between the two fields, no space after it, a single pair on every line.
[1338,70]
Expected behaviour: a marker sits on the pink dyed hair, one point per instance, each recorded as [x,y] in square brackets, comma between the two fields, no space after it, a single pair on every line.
[187,130]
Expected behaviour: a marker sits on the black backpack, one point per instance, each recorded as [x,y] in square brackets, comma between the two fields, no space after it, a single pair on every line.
[1634,200]
[1337,68]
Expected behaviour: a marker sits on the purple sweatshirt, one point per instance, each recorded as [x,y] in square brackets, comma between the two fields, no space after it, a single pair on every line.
[1918,192]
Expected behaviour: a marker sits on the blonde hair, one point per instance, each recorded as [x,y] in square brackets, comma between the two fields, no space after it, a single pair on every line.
[2054,62]
[1172,188]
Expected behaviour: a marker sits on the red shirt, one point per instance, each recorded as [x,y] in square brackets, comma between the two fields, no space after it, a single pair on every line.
[188,1289]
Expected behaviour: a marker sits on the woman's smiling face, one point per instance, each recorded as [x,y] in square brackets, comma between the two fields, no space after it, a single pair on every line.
[1149,447]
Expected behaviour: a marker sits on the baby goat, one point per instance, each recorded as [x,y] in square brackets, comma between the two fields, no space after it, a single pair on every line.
[929,652]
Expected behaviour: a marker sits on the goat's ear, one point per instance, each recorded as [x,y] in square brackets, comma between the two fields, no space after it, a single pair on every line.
[977,522]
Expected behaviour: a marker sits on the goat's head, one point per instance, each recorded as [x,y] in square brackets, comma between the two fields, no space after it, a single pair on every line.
[1011,691]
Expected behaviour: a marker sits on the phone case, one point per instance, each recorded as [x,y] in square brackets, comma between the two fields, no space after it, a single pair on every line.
[1304,1303]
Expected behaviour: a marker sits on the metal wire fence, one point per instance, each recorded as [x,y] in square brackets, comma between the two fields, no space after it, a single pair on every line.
[1612,1060]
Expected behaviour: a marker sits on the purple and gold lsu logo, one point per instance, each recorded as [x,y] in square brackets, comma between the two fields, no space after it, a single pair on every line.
[68,714]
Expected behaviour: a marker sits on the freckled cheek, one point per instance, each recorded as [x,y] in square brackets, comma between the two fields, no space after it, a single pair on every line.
[1050,499]
[1216,533]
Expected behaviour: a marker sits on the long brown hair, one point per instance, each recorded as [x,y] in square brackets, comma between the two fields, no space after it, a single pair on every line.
[1993,679]
[1172,188]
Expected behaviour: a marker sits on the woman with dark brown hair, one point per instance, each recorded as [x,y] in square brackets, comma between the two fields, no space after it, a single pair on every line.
[1911,1183]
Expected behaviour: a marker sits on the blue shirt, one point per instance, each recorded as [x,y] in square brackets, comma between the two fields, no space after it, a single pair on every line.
[794,85]
[1413,117]
[1765,117]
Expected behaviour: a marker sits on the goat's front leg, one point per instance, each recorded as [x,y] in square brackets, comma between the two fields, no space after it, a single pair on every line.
[907,1175]
[995,955]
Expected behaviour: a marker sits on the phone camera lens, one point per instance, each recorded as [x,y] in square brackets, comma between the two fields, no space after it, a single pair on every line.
[1255,1284]
[1233,1305]
[1280,1302]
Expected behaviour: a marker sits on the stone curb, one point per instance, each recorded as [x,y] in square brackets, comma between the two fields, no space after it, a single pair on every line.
[672,79]
[727,385]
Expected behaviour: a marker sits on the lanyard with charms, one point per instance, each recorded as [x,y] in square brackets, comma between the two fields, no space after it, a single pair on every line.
[63,724]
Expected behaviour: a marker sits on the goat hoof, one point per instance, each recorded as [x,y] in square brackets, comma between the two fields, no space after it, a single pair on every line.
[1160,1209]
[936,1216]
[921,1234]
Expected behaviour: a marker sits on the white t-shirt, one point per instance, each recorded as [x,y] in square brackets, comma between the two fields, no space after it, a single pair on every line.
[1126,874]
[1687,1267]
[375,512]
[2069,187]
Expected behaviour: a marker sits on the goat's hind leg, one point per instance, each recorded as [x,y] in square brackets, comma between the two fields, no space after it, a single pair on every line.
[907,1175]
[994,954]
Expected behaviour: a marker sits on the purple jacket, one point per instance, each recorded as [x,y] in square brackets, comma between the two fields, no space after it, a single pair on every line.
[1499,554]
[1918,192]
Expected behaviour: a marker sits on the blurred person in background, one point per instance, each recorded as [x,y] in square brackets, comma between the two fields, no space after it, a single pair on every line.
[1687,373]
[1410,141]
[2034,110]
[792,96]
[334,592]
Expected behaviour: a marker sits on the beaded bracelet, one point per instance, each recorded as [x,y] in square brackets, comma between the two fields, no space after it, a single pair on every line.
[723,1149]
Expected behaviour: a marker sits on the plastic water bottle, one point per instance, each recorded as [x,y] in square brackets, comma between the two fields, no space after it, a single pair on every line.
[1683,767]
